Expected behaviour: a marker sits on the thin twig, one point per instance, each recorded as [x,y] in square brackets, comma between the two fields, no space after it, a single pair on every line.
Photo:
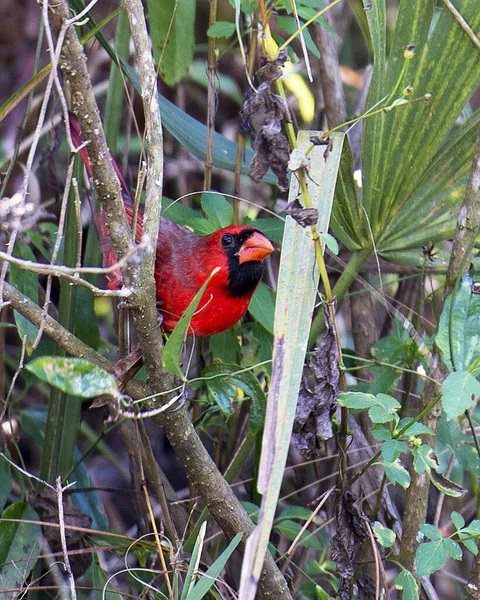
[463,24]
[63,538]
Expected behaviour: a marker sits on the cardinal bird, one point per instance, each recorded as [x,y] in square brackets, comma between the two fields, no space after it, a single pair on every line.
[185,260]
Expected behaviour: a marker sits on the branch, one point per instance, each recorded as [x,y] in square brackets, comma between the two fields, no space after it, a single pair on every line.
[330,79]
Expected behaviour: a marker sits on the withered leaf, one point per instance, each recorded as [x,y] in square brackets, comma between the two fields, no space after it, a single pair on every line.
[317,396]
[263,114]
[272,150]
[45,503]
[347,542]
[272,68]
[303,216]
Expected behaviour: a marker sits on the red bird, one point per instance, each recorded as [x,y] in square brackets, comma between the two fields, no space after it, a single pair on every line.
[185,260]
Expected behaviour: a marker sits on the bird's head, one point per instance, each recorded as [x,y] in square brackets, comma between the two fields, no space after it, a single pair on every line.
[243,250]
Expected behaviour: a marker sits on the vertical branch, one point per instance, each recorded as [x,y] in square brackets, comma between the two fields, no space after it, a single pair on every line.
[330,80]
[211,100]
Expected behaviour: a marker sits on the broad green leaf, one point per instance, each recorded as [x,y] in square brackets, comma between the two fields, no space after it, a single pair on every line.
[102,586]
[473,528]
[227,379]
[272,228]
[460,391]
[221,29]
[262,306]
[296,297]
[423,458]
[457,519]
[330,242]
[392,449]
[431,532]
[19,543]
[384,535]
[356,400]
[458,335]
[294,512]
[453,549]
[406,582]
[218,210]
[173,348]
[415,428]
[430,557]
[222,392]
[396,473]
[172,29]
[290,529]
[385,410]
[74,376]
[225,346]
[213,572]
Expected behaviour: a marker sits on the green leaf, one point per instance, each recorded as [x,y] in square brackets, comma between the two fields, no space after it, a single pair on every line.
[262,306]
[19,543]
[453,549]
[172,29]
[290,529]
[221,29]
[294,512]
[458,334]
[356,400]
[406,581]
[384,536]
[223,384]
[74,376]
[208,580]
[272,228]
[416,428]
[225,346]
[173,348]
[218,210]
[330,242]
[385,410]
[423,459]
[102,586]
[430,557]
[396,473]
[457,519]
[431,532]
[392,449]
[459,393]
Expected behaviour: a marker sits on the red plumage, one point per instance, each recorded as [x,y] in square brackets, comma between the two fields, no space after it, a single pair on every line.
[184,261]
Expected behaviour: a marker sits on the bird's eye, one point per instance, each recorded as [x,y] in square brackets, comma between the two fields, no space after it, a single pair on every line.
[227,240]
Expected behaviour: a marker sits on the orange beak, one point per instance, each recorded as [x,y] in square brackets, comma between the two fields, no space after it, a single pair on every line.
[257,247]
